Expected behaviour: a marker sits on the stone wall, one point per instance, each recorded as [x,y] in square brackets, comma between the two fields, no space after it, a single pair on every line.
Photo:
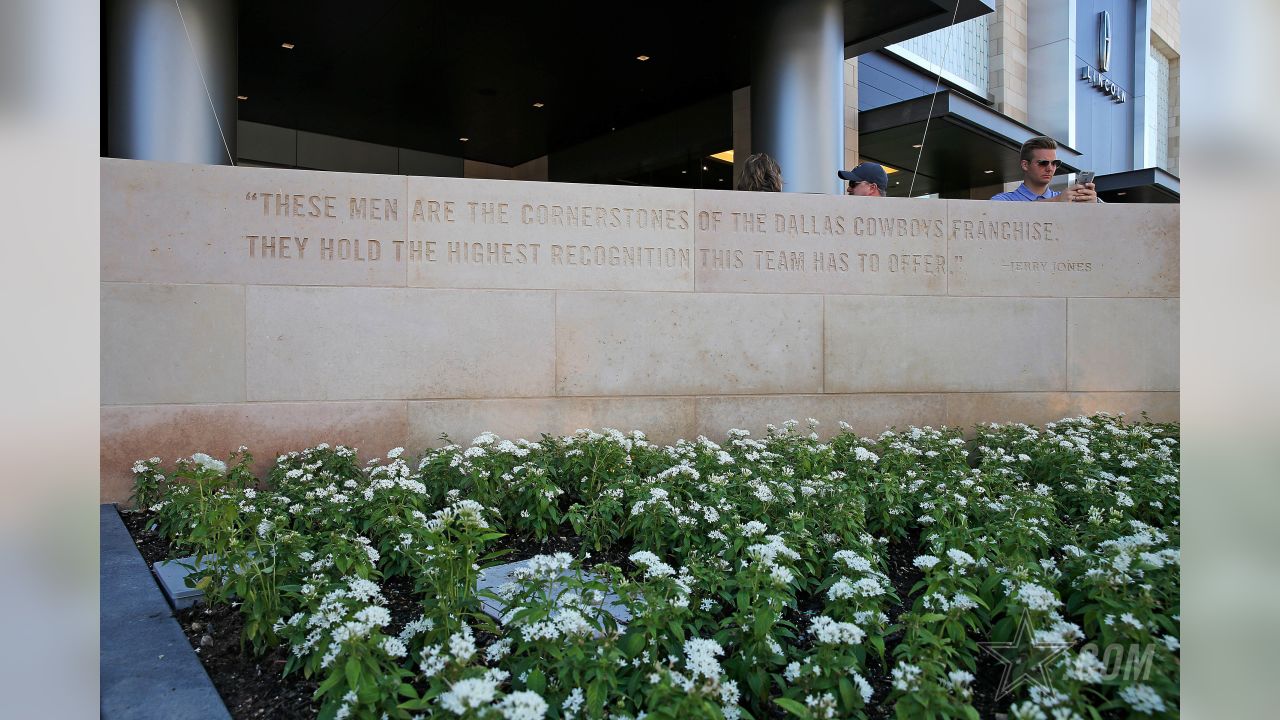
[1166,23]
[282,308]
[1007,38]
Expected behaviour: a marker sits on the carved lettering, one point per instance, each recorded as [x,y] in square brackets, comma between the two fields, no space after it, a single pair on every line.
[362,208]
[432,211]
[590,216]
[1048,266]
[282,204]
[1005,230]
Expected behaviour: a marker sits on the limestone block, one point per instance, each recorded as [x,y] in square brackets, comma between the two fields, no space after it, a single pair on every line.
[1127,344]
[923,344]
[1063,250]
[172,343]
[171,223]
[687,344]
[868,414]
[309,343]
[834,244]
[968,409]
[662,420]
[508,234]
[133,432]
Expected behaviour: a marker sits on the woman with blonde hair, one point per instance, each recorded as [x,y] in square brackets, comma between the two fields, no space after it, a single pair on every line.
[760,173]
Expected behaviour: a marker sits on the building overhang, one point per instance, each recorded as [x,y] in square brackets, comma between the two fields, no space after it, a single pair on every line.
[870,26]
[1145,185]
[517,80]
[968,144]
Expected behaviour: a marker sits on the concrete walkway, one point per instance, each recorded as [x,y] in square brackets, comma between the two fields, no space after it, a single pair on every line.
[148,670]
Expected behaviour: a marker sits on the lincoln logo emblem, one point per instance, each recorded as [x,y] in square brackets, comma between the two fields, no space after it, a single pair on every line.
[1104,41]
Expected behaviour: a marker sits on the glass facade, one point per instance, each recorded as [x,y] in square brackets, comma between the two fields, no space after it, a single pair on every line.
[960,52]
[1160,66]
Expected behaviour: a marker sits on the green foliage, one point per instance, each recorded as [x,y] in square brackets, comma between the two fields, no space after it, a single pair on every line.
[757,574]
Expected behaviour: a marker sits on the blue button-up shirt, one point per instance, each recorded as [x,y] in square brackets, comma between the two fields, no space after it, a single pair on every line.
[1023,194]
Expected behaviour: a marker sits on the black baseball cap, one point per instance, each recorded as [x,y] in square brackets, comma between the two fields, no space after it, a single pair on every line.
[867,172]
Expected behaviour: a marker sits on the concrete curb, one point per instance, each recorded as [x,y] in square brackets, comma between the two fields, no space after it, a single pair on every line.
[147,668]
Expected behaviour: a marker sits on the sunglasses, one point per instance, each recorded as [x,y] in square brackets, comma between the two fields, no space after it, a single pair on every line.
[1047,163]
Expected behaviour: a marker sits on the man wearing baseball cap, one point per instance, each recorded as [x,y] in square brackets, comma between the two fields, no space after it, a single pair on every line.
[867,179]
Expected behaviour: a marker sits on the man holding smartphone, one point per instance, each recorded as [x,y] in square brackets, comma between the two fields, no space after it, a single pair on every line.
[1039,157]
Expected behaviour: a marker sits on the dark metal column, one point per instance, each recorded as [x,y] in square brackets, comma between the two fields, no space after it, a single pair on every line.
[171,76]
[797,90]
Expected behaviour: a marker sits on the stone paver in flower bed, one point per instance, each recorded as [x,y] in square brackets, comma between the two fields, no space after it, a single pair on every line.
[172,575]
[147,669]
[494,577]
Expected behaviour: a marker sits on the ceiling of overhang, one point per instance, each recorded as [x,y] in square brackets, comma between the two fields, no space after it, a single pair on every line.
[422,74]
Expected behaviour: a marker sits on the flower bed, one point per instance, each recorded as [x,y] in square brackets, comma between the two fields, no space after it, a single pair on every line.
[912,574]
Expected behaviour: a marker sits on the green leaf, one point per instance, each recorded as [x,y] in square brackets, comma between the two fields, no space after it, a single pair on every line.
[536,681]
[595,699]
[632,644]
[328,684]
[762,623]
[846,693]
[353,672]
[792,707]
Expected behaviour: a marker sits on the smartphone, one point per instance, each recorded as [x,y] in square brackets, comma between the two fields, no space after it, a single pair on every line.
[1085,178]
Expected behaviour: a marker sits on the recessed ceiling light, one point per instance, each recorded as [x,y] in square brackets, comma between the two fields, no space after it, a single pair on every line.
[917,146]
[287,46]
[537,104]
[684,172]
[704,167]
[719,179]
[987,172]
[463,139]
[1123,192]
[896,182]
[242,97]
[642,58]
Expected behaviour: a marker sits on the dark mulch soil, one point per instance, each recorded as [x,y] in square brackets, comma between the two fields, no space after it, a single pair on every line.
[153,547]
[253,687]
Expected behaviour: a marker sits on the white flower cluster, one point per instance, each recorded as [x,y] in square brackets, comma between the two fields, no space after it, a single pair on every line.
[1043,699]
[1084,667]
[866,587]
[906,677]
[1036,597]
[462,513]
[344,615]
[704,676]
[652,564]
[469,694]
[208,463]
[767,554]
[1143,699]
[523,705]
[821,706]
[925,562]
[461,647]
[546,568]
[830,632]
[853,561]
